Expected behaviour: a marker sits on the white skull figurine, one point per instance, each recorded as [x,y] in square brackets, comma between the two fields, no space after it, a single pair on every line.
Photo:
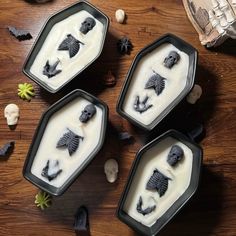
[12,113]
[195,94]
[111,170]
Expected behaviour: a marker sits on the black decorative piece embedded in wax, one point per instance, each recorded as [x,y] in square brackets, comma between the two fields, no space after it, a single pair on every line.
[51,174]
[156,82]
[51,70]
[88,112]
[172,58]
[182,46]
[158,182]
[54,19]
[69,140]
[175,155]
[141,106]
[142,211]
[70,44]
[179,203]
[87,25]
[20,34]
[49,188]
[124,45]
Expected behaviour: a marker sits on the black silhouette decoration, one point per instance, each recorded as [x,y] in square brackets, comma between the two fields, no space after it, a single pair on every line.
[158,182]
[50,70]
[156,82]
[70,140]
[146,211]
[45,171]
[141,106]
[71,44]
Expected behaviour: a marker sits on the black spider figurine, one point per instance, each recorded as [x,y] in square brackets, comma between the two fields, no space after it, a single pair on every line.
[141,106]
[51,70]
[124,45]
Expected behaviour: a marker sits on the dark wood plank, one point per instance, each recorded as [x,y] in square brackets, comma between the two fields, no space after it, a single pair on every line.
[213,209]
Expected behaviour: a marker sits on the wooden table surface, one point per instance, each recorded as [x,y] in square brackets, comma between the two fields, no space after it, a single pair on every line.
[212,211]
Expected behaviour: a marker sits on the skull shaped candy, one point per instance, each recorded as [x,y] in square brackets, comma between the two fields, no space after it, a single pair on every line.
[87,25]
[12,113]
[172,59]
[175,155]
[111,170]
[195,94]
[88,112]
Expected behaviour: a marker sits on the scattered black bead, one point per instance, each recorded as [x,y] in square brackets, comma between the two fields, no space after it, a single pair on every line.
[124,45]
[141,106]
[7,149]
[46,169]
[20,34]
[88,112]
[172,58]
[87,25]
[50,70]
[175,155]
[71,44]
[157,82]
[146,211]
[70,140]
[81,224]
[158,182]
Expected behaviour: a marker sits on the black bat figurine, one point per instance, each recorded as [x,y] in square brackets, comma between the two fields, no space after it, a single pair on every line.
[20,34]
[6,149]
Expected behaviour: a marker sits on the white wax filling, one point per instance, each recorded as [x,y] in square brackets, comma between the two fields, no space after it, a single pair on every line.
[175,82]
[69,66]
[155,158]
[59,123]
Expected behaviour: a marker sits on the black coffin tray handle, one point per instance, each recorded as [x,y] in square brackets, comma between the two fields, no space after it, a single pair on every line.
[39,134]
[59,16]
[181,45]
[177,206]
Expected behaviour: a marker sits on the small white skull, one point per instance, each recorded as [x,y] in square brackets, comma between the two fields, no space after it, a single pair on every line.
[195,94]
[111,170]
[12,113]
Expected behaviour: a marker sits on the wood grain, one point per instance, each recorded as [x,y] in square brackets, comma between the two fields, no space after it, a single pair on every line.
[213,209]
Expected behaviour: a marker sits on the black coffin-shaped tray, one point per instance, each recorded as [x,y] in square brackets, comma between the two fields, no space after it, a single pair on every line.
[40,132]
[182,46]
[180,202]
[61,15]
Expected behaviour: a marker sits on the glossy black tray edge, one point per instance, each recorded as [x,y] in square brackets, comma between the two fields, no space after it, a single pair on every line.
[180,44]
[177,206]
[51,21]
[40,131]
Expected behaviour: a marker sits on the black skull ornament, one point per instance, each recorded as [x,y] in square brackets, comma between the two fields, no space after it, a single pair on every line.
[87,25]
[88,112]
[175,155]
[172,58]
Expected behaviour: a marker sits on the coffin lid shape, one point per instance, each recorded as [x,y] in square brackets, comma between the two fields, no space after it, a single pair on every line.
[59,16]
[39,134]
[179,203]
[181,45]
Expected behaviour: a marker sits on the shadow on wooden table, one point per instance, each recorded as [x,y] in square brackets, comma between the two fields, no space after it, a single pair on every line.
[203,212]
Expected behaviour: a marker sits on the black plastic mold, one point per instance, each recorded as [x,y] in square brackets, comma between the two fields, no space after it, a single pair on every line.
[59,16]
[179,203]
[39,134]
[181,45]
